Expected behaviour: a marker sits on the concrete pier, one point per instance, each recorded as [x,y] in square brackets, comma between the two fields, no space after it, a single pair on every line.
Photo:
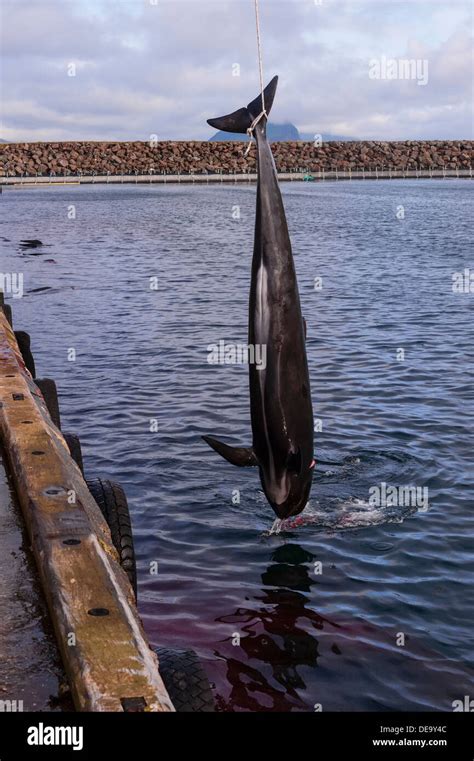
[91,604]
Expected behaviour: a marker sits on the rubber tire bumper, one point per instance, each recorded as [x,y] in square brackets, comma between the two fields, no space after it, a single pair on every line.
[24,344]
[112,501]
[185,680]
[49,393]
[75,450]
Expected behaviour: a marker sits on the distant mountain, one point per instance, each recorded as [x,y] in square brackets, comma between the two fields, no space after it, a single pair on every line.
[275,132]
[282,132]
[327,137]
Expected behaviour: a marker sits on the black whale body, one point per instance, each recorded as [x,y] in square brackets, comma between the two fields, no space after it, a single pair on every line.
[280,397]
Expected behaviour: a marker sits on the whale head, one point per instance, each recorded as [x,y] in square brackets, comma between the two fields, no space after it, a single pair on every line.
[288,493]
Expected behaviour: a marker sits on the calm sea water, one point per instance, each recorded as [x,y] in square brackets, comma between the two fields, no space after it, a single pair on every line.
[388,623]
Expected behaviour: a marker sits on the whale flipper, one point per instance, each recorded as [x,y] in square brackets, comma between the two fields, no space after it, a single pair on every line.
[240,456]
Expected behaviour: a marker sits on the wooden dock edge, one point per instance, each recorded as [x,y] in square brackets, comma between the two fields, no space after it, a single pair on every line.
[107,658]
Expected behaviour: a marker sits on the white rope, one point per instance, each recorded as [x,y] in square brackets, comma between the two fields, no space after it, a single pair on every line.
[251,129]
[259,48]
[260,69]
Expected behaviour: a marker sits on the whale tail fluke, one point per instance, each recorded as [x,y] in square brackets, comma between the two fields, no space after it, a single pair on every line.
[240,456]
[241,120]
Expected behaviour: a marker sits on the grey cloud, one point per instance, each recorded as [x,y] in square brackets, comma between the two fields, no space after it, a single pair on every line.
[145,69]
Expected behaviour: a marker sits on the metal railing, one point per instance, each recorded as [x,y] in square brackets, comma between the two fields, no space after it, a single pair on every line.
[307,174]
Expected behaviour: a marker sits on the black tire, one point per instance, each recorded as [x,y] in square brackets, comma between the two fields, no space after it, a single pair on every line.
[7,311]
[112,501]
[185,680]
[50,395]
[74,446]
[24,344]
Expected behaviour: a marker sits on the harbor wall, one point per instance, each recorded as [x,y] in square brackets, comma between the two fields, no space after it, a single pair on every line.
[173,157]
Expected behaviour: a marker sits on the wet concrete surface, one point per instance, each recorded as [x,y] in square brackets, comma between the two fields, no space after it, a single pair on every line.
[30,665]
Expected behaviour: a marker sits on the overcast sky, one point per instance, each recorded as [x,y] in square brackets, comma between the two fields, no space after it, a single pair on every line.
[162,67]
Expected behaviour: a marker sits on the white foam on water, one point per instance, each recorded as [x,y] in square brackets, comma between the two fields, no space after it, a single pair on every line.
[276,526]
[340,515]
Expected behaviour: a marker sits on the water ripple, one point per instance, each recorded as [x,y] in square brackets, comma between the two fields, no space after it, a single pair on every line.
[317,608]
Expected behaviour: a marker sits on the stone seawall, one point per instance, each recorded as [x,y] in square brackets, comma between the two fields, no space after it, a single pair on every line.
[30,159]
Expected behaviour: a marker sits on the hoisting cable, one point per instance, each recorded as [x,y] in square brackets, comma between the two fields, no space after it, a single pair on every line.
[260,69]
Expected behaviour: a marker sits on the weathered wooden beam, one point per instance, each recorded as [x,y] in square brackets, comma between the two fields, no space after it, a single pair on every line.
[107,658]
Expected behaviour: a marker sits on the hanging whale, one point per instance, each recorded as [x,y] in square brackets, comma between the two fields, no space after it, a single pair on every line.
[280,398]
